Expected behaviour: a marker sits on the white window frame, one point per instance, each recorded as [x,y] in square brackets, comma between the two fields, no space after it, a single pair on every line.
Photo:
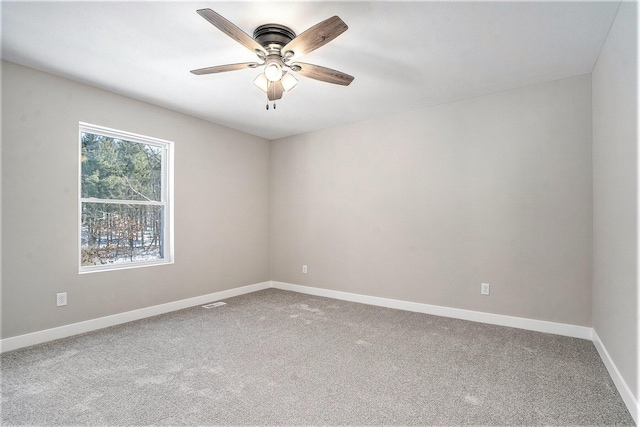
[166,198]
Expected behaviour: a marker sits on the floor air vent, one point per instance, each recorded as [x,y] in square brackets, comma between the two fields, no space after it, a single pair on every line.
[214,304]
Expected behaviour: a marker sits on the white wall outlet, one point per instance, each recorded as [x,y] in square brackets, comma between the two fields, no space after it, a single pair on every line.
[484,288]
[61,299]
[304,269]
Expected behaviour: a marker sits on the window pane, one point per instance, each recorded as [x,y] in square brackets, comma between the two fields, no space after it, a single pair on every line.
[118,233]
[117,169]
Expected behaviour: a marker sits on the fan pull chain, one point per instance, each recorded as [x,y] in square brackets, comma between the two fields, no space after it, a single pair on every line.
[274,105]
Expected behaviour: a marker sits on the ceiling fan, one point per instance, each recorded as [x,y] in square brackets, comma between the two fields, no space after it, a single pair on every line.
[276,46]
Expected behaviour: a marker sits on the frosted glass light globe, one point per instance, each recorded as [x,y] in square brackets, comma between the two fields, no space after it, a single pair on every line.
[273,71]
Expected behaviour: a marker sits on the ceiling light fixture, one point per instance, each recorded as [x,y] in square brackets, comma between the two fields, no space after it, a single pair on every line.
[261,82]
[288,81]
[273,68]
[275,46]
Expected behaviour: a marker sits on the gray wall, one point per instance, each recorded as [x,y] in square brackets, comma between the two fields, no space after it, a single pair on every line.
[424,206]
[420,206]
[615,178]
[221,205]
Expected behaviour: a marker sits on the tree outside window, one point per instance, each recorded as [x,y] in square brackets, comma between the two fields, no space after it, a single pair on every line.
[125,212]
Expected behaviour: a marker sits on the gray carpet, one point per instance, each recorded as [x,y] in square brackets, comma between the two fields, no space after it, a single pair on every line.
[282,358]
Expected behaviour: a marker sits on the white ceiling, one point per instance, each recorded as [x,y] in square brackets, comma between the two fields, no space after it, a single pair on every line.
[403,55]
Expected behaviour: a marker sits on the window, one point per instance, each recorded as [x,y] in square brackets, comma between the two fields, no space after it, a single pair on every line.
[126,215]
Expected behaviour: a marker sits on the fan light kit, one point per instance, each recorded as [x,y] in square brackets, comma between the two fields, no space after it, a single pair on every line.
[276,46]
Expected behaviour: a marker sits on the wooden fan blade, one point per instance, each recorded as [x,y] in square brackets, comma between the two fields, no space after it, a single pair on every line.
[231,30]
[274,91]
[223,68]
[315,37]
[322,73]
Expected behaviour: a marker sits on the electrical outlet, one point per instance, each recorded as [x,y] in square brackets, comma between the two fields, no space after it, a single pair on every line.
[484,288]
[61,299]
[304,269]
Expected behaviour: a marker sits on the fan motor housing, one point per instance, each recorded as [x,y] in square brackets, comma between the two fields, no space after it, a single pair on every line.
[272,36]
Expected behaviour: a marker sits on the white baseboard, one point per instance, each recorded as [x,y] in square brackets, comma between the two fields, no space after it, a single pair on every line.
[26,340]
[574,331]
[621,385]
[457,313]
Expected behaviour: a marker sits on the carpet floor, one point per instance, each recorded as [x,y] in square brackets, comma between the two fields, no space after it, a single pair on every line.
[282,358]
